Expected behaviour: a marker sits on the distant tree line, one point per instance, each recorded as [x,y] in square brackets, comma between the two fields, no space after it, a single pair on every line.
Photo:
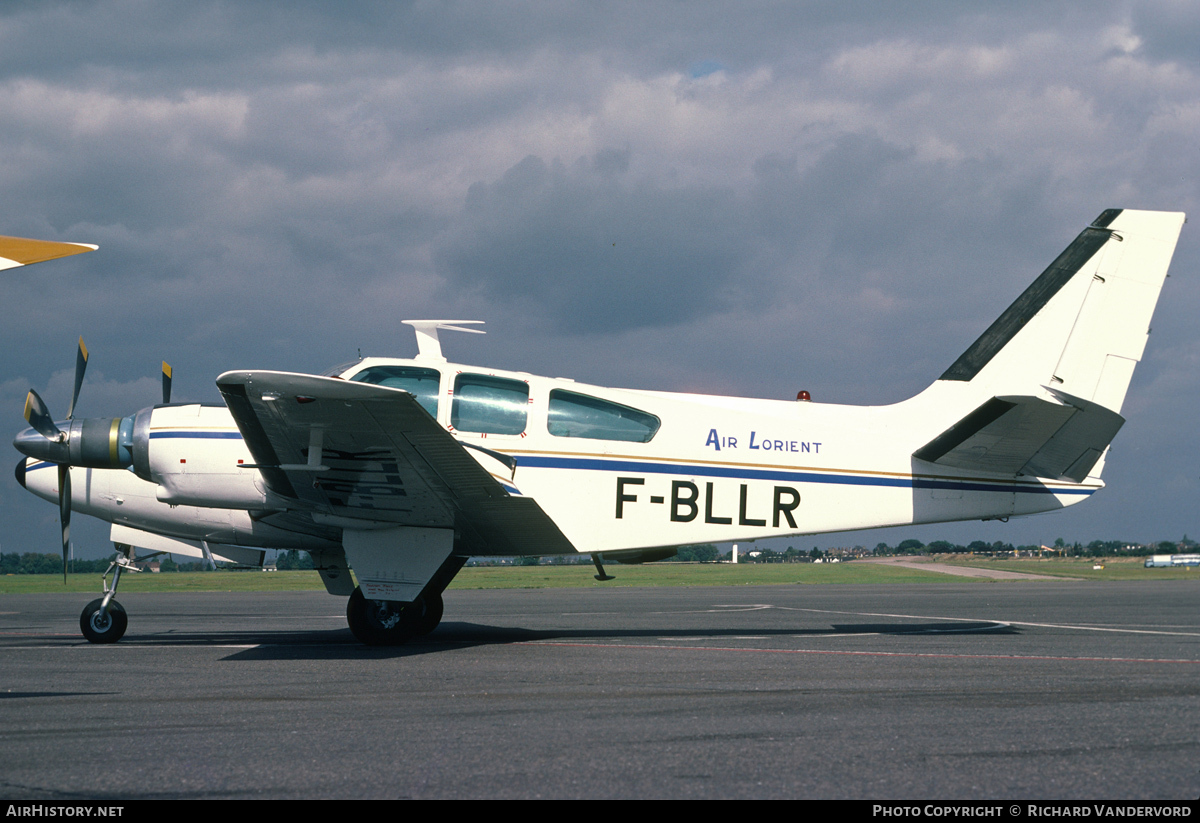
[700,553]
[789,555]
[293,560]
[32,563]
[1097,548]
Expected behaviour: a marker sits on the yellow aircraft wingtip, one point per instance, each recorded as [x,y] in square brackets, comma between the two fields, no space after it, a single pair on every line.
[22,251]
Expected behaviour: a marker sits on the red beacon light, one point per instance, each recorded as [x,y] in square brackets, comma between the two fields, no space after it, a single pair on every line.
[804,395]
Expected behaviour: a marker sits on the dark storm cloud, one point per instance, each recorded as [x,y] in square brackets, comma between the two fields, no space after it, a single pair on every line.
[593,252]
[589,249]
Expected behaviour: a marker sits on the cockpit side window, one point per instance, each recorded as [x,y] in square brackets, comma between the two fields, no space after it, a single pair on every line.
[495,405]
[579,415]
[420,383]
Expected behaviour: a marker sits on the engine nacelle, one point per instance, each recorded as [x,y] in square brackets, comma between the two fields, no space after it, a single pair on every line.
[192,453]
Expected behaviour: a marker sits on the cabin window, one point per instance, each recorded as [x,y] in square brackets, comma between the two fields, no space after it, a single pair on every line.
[491,405]
[578,415]
[420,383]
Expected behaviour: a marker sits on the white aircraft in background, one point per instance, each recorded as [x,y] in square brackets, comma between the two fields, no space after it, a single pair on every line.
[402,469]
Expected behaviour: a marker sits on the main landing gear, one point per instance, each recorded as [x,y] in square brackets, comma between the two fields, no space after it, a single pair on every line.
[390,623]
[104,619]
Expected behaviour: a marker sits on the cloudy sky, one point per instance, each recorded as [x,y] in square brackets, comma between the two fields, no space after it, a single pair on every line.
[739,198]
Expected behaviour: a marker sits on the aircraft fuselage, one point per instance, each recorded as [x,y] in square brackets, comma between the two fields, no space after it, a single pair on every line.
[714,468]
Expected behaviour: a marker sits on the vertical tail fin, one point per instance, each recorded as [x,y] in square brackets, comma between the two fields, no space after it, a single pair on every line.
[1049,377]
[1082,326]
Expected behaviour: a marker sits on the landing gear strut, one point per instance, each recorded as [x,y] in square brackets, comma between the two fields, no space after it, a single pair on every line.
[390,623]
[104,619]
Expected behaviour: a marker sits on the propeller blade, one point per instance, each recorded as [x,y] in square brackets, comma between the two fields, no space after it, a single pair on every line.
[166,382]
[64,511]
[38,416]
[81,358]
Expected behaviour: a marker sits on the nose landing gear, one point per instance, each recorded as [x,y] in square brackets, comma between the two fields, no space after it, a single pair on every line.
[104,619]
[101,624]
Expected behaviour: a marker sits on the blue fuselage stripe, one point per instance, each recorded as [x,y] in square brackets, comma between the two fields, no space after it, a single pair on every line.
[733,472]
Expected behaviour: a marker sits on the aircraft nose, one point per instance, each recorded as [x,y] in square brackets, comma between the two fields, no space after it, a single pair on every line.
[20,472]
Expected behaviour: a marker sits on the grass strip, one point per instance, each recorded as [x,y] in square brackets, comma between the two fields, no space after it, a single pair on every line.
[580,576]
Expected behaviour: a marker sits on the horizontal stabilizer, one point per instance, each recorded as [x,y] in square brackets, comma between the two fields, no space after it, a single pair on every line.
[1021,435]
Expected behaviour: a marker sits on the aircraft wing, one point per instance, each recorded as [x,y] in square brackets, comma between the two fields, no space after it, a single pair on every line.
[1028,435]
[354,453]
[21,251]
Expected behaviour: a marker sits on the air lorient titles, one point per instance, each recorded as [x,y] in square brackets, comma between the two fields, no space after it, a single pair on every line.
[756,441]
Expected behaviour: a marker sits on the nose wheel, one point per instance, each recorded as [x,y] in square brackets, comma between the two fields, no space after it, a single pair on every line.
[103,625]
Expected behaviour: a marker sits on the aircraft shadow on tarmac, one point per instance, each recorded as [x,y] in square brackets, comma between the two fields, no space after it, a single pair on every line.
[340,644]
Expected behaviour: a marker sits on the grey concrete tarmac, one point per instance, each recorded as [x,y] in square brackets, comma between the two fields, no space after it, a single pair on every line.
[953,691]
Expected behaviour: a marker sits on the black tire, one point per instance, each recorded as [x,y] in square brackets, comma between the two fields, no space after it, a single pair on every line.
[379,622]
[103,629]
[430,614]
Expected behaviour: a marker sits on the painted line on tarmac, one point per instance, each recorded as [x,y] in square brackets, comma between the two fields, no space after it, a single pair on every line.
[724,609]
[1104,629]
[1032,657]
[1002,622]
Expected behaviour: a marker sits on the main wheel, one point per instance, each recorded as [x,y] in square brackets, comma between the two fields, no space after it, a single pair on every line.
[98,627]
[379,622]
[429,613]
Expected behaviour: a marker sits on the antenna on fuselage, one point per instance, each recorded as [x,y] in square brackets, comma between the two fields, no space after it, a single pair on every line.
[428,345]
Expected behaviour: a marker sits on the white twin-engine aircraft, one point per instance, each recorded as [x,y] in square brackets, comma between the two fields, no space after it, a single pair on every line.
[402,469]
